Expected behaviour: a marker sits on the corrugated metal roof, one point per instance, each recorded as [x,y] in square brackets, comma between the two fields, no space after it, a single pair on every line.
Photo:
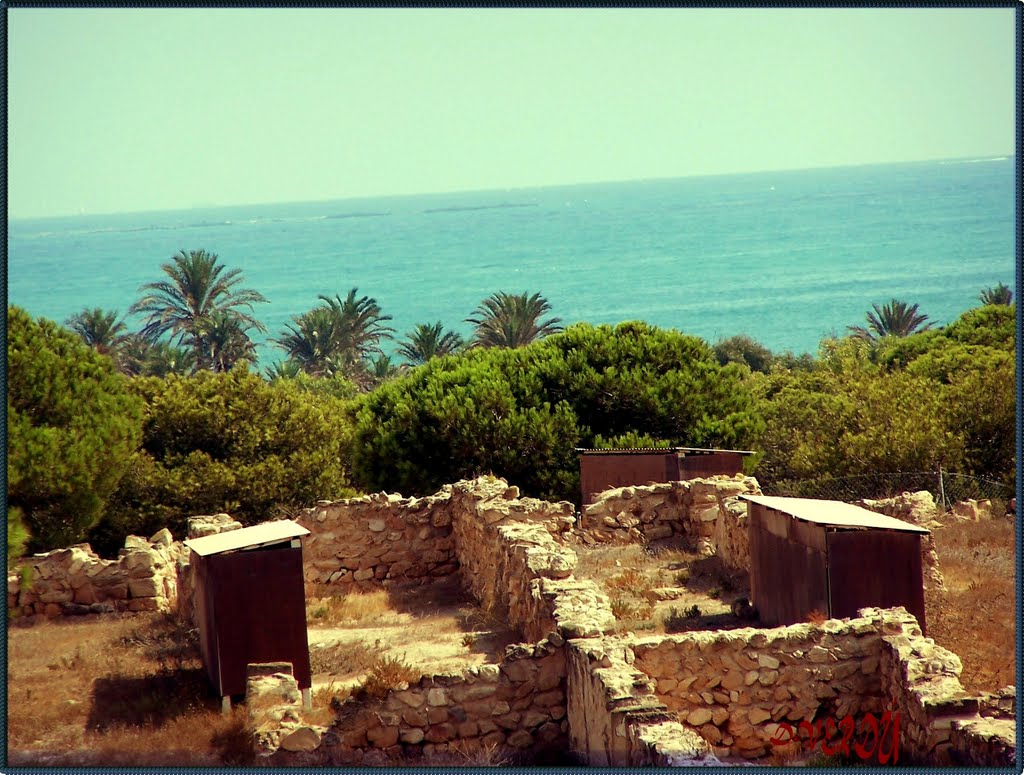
[246,538]
[834,513]
[657,450]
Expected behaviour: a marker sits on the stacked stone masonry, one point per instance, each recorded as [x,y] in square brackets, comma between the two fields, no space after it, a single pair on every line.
[686,699]
[76,581]
[357,543]
[708,512]
[738,688]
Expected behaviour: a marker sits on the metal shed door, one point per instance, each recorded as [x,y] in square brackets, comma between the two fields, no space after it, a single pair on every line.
[879,568]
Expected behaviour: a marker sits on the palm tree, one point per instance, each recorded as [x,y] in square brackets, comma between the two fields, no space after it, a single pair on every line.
[99,329]
[507,320]
[896,318]
[380,369]
[223,341]
[337,337]
[141,357]
[309,340]
[428,341]
[197,288]
[359,325]
[288,369]
[1001,294]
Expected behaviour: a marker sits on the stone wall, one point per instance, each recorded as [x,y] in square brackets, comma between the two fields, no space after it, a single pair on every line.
[737,688]
[515,563]
[940,724]
[358,543]
[708,512]
[76,581]
[614,717]
[517,705]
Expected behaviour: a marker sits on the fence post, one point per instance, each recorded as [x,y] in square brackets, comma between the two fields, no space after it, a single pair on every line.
[942,491]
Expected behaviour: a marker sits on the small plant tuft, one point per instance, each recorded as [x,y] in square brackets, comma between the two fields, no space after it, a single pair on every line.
[389,673]
[817,617]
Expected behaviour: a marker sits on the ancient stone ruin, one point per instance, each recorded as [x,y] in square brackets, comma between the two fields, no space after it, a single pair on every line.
[572,684]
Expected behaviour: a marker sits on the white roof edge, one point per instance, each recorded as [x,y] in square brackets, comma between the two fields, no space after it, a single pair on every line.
[252,537]
[833,513]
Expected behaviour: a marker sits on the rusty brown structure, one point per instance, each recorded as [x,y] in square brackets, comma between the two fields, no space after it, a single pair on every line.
[603,469]
[250,603]
[831,558]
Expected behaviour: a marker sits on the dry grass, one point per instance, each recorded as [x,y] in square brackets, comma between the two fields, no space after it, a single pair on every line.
[351,610]
[975,618]
[628,572]
[389,673]
[343,657]
[118,691]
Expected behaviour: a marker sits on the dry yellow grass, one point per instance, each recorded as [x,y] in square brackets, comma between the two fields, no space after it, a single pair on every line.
[627,572]
[350,610]
[118,691]
[975,618]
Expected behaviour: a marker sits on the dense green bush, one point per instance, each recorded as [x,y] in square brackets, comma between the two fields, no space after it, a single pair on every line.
[226,442]
[72,425]
[520,413]
[826,424]
[943,397]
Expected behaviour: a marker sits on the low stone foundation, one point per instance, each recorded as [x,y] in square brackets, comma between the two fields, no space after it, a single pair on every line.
[695,698]
[706,512]
[358,543]
[616,720]
[76,581]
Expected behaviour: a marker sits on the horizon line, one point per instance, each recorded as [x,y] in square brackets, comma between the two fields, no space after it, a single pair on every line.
[212,205]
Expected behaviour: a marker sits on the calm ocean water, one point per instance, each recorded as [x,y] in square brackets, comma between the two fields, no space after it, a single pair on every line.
[786,257]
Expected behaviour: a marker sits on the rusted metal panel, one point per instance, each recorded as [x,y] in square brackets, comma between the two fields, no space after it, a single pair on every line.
[837,513]
[791,579]
[255,611]
[787,580]
[247,537]
[695,466]
[604,471]
[808,534]
[875,568]
[206,622]
[775,523]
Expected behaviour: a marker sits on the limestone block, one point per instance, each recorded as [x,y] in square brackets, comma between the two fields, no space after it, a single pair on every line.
[383,737]
[302,739]
[144,587]
[143,604]
[162,537]
[436,697]
[412,736]
[699,716]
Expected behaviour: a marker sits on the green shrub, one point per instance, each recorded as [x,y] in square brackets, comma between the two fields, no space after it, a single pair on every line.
[72,425]
[520,413]
[226,442]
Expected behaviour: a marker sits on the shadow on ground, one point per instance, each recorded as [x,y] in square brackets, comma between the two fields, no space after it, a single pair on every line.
[150,700]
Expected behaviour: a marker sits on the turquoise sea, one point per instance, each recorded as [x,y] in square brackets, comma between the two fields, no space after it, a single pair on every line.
[786,257]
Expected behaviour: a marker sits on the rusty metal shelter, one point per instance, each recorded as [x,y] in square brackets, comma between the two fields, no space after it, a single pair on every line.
[250,603]
[830,557]
[603,469]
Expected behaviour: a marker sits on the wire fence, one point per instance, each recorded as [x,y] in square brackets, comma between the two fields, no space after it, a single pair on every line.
[946,488]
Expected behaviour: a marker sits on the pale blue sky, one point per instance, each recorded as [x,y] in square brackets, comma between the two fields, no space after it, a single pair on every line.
[116,110]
